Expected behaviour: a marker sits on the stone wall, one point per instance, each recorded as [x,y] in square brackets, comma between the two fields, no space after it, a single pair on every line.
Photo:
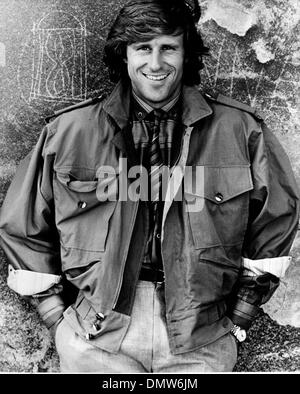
[50,57]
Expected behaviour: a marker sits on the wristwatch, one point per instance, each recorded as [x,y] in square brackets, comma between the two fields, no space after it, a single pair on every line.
[239,333]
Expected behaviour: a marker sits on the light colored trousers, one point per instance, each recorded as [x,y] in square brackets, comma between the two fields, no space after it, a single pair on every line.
[145,347]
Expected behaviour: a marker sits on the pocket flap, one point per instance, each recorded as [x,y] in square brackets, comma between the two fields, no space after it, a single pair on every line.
[221,184]
[72,180]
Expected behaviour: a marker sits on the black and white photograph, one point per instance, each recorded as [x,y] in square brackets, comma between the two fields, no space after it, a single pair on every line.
[149,189]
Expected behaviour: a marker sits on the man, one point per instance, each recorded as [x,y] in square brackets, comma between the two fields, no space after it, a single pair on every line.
[163,284]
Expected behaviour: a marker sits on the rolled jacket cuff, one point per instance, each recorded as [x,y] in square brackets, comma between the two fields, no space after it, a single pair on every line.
[276,266]
[28,283]
[243,313]
[51,309]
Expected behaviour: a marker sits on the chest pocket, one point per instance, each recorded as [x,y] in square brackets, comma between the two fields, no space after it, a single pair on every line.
[222,201]
[82,219]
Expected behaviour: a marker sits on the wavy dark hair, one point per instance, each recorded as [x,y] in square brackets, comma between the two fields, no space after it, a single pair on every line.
[141,20]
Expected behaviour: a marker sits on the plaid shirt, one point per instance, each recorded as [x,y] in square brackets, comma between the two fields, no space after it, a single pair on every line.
[170,140]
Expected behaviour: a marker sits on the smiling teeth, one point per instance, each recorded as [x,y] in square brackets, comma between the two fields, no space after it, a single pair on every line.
[156,78]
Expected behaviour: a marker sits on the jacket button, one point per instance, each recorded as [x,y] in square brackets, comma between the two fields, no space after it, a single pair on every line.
[219,197]
[82,204]
[96,326]
[140,114]
[100,316]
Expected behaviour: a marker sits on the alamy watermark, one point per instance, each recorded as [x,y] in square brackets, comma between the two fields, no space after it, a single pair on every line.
[134,184]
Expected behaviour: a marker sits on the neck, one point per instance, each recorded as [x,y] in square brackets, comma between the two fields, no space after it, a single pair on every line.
[166,106]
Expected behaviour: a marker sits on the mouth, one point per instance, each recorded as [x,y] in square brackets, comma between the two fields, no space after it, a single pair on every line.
[157,78]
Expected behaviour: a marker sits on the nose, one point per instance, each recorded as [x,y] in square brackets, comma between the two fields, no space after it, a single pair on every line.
[155,61]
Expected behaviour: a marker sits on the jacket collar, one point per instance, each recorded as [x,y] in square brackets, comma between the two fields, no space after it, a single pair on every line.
[118,105]
[194,106]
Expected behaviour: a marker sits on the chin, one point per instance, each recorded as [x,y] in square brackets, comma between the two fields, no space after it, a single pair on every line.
[158,99]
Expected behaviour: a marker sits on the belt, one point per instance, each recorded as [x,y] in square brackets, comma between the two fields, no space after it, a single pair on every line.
[152,275]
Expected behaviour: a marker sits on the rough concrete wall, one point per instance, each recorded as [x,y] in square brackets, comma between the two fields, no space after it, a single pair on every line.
[254,58]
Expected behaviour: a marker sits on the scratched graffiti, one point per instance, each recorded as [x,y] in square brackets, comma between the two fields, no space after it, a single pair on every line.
[58,60]
[233,69]
[271,88]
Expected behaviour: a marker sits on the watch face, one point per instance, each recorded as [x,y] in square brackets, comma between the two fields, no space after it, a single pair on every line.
[241,335]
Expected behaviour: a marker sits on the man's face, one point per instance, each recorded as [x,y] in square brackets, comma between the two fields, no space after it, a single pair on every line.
[155,68]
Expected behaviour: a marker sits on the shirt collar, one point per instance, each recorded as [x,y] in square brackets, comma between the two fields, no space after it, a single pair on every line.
[194,106]
[142,109]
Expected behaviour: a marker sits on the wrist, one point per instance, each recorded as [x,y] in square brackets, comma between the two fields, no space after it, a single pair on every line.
[243,313]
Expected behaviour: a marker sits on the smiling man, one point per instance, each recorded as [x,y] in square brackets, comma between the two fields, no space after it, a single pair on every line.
[158,287]
[155,69]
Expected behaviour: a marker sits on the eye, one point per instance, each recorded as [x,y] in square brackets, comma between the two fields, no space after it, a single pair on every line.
[144,48]
[168,48]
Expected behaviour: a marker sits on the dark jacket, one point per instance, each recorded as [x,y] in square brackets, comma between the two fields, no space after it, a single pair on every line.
[53,221]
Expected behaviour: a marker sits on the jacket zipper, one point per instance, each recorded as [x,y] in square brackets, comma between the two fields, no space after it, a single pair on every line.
[162,256]
[127,248]
[190,129]
[125,257]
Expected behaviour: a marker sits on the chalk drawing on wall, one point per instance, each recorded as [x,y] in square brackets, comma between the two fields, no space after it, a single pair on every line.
[221,67]
[271,88]
[55,57]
